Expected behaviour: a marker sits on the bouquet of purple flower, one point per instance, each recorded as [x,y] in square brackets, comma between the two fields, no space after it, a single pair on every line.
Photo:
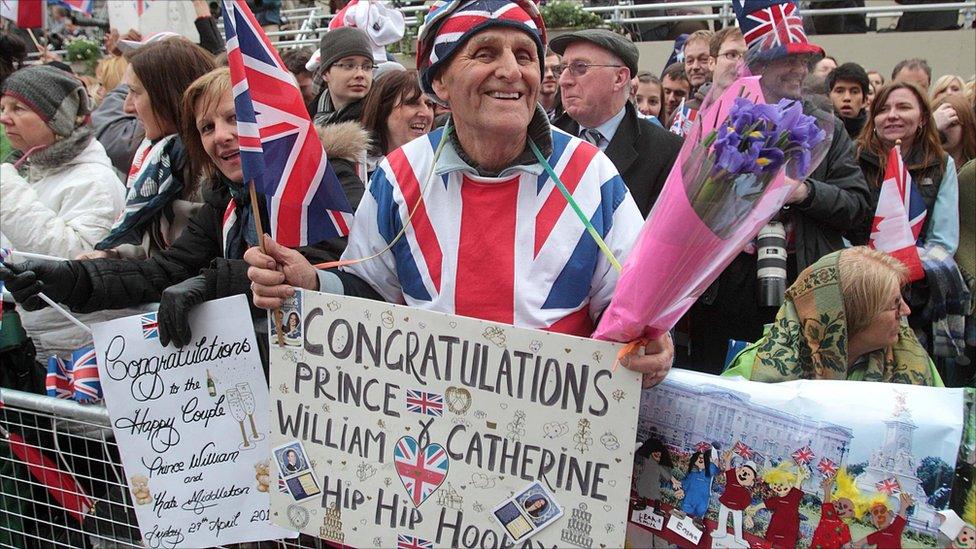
[736,162]
[730,179]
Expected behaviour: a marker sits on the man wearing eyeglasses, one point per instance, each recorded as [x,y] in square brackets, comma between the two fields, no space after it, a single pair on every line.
[821,209]
[727,53]
[594,81]
[347,71]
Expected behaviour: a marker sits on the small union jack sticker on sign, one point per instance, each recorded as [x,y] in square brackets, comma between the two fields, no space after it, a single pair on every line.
[431,404]
[150,326]
[889,486]
[827,467]
[803,456]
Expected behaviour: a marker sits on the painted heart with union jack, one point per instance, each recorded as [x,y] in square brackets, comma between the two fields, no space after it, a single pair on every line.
[421,469]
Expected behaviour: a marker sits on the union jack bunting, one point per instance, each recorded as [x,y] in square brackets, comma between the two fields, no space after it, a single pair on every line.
[827,467]
[702,446]
[280,150]
[421,470]
[899,216]
[803,455]
[773,27]
[889,486]
[150,326]
[58,382]
[84,375]
[431,404]
[743,450]
[411,542]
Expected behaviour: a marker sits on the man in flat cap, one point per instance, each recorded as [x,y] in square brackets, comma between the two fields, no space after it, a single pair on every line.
[466,220]
[596,71]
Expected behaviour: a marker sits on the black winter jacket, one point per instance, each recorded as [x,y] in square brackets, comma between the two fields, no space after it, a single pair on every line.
[120,283]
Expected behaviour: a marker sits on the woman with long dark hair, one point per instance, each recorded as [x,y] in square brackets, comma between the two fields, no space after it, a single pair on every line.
[162,182]
[395,112]
[901,116]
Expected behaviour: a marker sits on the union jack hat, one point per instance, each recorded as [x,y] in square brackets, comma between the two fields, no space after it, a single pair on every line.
[450,23]
[773,29]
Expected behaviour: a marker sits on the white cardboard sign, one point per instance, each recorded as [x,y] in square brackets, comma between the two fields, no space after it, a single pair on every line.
[416,425]
[191,426]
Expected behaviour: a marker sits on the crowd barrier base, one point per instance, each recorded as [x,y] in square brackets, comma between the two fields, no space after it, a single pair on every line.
[62,483]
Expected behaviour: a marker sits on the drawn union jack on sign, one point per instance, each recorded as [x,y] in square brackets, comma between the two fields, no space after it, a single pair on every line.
[411,542]
[421,470]
[150,326]
[431,404]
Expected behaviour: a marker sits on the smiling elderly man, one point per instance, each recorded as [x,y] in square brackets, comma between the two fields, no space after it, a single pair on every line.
[466,220]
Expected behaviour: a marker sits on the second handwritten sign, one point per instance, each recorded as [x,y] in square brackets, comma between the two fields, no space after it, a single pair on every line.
[195,451]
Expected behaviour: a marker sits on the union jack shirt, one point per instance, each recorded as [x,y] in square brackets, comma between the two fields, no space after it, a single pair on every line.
[508,248]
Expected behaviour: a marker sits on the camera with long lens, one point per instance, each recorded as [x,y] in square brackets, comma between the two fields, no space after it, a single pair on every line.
[771,264]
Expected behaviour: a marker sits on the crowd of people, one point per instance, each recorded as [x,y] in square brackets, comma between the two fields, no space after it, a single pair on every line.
[135,182]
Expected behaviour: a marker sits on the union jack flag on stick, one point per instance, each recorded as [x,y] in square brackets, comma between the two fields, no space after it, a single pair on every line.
[280,150]
[827,467]
[899,216]
[889,486]
[742,449]
[803,455]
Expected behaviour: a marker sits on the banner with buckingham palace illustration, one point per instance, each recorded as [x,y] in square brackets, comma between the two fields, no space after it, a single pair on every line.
[798,464]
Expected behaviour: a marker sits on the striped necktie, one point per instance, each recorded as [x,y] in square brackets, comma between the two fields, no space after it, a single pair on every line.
[594,137]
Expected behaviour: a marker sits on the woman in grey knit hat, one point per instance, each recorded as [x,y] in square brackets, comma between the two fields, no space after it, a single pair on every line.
[65,196]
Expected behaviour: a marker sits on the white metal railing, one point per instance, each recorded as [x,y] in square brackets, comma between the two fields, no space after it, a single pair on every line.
[625,12]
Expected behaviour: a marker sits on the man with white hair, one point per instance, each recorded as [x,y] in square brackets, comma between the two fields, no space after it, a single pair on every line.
[467,220]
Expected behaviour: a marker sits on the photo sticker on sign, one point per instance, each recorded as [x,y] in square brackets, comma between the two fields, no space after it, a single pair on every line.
[527,512]
[296,470]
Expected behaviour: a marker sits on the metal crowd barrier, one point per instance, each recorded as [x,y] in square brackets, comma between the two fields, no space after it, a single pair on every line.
[77,440]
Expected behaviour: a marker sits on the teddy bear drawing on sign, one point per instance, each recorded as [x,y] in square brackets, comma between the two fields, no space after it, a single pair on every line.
[262,474]
[736,498]
[652,469]
[140,489]
[784,527]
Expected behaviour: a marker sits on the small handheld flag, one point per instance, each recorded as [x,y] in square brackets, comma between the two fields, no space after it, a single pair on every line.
[280,150]
[899,216]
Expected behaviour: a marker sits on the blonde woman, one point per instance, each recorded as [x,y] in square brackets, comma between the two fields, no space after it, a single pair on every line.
[949,84]
[843,318]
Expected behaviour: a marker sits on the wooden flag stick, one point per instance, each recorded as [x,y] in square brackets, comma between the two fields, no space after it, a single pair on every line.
[278,316]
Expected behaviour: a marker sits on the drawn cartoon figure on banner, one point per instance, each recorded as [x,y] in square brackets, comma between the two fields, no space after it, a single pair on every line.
[889,526]
[956,533]
[697,484]
[784,527]
[838,504]
[736,498]
[652,468]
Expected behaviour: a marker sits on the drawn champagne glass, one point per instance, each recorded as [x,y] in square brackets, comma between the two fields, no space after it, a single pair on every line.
[237,410]
[247,399]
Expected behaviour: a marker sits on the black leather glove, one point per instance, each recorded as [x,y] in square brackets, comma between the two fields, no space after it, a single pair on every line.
[27,279]
[175,305]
